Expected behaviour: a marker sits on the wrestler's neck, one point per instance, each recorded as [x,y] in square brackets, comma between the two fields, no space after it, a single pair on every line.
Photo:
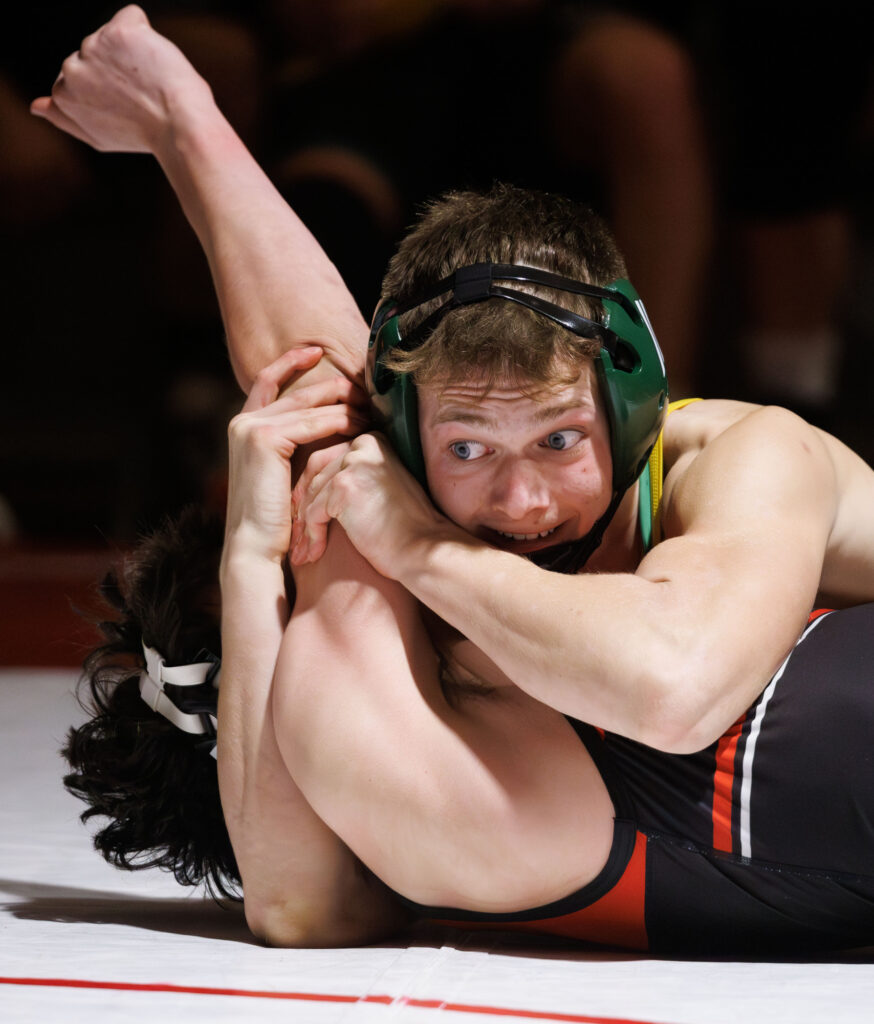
[621,549]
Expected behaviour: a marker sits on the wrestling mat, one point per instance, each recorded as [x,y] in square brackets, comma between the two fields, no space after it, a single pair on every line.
[83,942]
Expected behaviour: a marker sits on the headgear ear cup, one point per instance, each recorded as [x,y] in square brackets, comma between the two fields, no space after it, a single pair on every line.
[633,381]
[635,395]
[393,395]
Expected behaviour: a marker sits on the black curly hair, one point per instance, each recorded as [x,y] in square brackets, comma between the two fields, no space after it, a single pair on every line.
[157,785]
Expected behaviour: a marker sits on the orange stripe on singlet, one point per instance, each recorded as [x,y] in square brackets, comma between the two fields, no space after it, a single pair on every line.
[818,613]
[618,918]
[723,783]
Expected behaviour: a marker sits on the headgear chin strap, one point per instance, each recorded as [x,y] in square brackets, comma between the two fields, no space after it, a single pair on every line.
[201,719]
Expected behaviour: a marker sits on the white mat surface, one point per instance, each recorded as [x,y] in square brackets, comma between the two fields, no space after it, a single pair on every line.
[67,917]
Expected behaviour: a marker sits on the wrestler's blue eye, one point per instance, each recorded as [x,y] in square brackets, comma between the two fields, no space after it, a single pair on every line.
[558,440]
[467,451]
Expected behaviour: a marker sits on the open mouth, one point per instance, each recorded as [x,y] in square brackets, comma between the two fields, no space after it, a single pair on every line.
[521,543]
[526,536]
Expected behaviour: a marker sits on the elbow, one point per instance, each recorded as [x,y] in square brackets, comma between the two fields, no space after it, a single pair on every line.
[274,928]
[282,927]
[673,715]
[676,737]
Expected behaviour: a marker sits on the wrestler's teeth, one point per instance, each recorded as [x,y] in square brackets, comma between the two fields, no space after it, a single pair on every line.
[527,536]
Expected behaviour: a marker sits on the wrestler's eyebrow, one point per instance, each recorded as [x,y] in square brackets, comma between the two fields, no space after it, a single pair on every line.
[544,414]
[553,412]
[451,415]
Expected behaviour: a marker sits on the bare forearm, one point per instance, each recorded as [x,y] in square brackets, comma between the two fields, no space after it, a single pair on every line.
[668,656]
[283,851]
[130,90]
[445,801]
[276,287]
[302,885]
[404,778]
[565,640]
[254,613]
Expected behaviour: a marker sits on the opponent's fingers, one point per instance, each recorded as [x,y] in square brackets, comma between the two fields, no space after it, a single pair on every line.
[40,106]
[333,391]
[323,465]
[336,388]
[71,69]
[51,108]
[310,425]
[309,534]
[310,547]
[268,381]
[320,467]
[283,433]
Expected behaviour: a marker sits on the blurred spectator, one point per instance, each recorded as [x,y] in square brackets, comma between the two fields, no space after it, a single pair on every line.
[105,283]
[792,95]
[685,123]
[460,93]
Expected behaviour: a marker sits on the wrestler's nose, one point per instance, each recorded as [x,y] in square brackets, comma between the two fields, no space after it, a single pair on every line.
[519,490]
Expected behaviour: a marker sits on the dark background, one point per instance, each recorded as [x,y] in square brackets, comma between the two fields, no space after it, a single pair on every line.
[114,389]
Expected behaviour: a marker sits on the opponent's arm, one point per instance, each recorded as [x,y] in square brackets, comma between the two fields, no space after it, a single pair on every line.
[301,884]
[670,655]
[128,89]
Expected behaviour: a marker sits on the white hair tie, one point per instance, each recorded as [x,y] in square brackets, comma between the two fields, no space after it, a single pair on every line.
[157,673]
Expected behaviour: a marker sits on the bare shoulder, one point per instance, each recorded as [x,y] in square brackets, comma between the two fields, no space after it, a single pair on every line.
[748,457]
[690,429]
[767,456]
[725,430]
[848,571]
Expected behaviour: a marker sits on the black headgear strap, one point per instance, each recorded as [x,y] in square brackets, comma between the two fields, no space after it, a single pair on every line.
[476,283]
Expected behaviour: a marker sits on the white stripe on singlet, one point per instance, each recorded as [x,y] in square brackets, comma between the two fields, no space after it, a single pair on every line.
[746,786]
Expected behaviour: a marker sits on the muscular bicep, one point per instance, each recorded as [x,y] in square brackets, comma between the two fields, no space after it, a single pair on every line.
[747,528]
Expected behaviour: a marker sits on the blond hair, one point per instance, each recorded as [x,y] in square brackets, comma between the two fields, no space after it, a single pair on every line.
[500,342]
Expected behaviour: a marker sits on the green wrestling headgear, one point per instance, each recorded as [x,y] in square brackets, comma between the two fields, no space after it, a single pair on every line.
[630,370]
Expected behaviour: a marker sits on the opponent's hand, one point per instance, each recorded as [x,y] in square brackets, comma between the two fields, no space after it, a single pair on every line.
[121,90]
[264,436]
[365,487]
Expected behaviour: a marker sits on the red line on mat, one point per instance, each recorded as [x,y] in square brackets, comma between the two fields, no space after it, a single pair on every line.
[321,997]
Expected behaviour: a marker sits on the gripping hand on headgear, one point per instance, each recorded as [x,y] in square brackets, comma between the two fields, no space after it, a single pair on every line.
[262,440]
